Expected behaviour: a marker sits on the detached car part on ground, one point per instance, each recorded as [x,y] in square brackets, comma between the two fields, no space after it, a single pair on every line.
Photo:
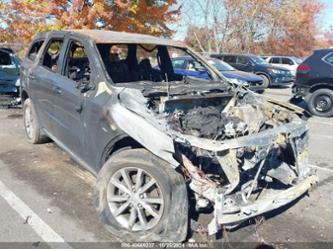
[155,139]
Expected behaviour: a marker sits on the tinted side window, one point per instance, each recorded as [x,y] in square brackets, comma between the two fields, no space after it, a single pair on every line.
[329,59]
[34,49]
[51,55]
[242,60]
[230,59]
[275,60]
[77,65]
[287,61]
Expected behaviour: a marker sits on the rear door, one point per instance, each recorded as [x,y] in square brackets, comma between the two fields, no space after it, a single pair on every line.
[29,62]
[42,78]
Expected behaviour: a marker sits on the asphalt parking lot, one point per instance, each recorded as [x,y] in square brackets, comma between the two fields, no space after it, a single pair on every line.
[45,196]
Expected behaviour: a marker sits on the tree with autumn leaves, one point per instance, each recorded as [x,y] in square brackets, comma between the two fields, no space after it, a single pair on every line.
[20,20]
[286,27]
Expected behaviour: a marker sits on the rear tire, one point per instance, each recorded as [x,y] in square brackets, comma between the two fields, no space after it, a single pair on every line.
[170,205]
[321,103]
[31,124]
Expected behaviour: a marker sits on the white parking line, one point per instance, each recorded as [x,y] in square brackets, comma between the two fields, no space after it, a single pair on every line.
[321,136]
[320,122]
[321,168]
[36,223]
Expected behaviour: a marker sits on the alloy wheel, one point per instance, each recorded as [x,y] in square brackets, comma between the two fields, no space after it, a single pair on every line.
[135,199]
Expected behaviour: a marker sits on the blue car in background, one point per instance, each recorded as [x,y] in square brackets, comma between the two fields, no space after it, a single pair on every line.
[9,72]
[188,67]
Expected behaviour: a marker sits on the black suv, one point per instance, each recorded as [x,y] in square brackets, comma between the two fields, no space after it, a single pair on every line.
[153,138]
[314,82]
[272,75]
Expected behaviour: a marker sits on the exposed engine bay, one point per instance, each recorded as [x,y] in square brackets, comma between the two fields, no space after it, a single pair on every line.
[240,153]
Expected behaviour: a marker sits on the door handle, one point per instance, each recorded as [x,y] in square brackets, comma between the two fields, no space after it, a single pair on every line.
[57,89]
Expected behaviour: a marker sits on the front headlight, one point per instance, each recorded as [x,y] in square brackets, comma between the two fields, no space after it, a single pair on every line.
[276,71]
[238,81]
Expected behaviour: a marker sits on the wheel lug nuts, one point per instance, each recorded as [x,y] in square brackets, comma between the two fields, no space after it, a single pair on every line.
[139,205]
[141,196]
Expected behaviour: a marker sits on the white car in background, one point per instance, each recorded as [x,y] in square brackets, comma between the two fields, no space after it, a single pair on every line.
[288,62]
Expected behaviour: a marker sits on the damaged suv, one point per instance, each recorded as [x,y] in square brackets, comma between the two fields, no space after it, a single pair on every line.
[155,139]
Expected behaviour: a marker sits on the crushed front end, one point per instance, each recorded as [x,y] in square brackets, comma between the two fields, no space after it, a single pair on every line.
[242,154]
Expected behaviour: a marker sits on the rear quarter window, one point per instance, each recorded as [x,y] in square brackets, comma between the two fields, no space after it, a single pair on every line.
[32,54]
[287,61]
[329,59]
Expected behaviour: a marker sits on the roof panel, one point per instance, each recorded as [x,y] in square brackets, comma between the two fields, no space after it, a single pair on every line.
[105,36]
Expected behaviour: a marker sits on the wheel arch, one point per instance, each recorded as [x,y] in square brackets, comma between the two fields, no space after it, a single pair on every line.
[117,144]
[265,74]
[24,95]
[321,85]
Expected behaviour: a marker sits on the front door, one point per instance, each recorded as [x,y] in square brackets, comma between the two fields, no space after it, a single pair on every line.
[69,105]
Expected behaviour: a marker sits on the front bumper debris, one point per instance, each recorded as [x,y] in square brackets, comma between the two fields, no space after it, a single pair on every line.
[273,200]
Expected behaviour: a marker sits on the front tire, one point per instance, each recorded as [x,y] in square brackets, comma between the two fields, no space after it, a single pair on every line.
[321,103]
[31,124]
[139,197]
[266,81]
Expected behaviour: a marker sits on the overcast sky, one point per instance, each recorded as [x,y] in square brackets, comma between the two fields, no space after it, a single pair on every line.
[327,16]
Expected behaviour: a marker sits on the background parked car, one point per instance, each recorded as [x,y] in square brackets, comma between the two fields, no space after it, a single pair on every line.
[9,72]
[271,75]
[288,62]
[314,82]
[187,66]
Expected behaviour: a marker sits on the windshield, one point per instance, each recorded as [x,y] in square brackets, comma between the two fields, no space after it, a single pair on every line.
[258,60]
[220,65]
[150,62]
